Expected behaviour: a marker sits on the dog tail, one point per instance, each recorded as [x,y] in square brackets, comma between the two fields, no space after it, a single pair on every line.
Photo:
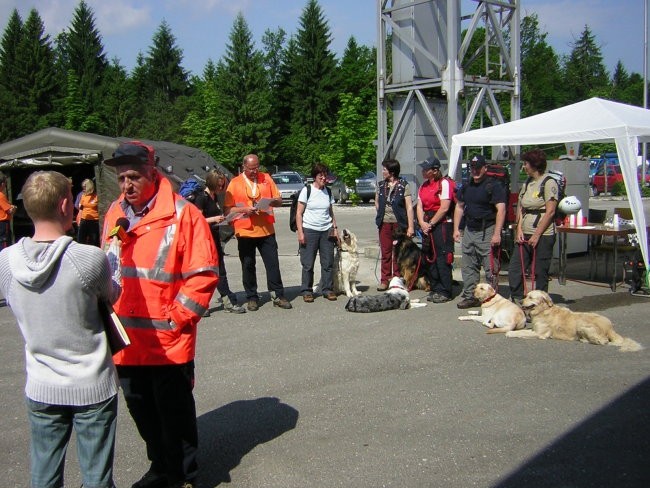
[625,343]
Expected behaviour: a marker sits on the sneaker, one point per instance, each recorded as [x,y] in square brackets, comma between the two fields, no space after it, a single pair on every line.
[382,287]
[431,296]
[183,484]
[469,303]
[282,303]
[438,298]
[253,305]
[331,296]
[206,313]
[308,298]
[234,308]
[151,479]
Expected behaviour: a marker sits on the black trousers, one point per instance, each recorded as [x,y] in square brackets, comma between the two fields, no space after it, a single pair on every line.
[440,257]
[268,248]
[543,254]
[5,234]
[161,404]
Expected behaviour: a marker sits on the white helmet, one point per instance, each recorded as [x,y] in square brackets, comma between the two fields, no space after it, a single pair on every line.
[569,205]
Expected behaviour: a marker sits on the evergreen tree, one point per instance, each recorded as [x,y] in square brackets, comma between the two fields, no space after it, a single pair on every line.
[164,71]
[35,68]
[357,72]
[541,77]
[84,56]
[10,85]
[244,96]
[120,101]
[313,84]
[584,72]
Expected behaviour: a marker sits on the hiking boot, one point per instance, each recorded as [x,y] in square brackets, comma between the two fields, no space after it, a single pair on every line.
[331,296]
[308,298]
[382,287]
[282,303]
[151,479]
[470,302]
[233,308]
[253,305]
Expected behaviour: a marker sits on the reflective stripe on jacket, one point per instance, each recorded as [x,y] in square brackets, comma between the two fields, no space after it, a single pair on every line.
[169,272]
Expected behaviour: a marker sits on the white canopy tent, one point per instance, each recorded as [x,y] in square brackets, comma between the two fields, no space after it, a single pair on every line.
[593,120]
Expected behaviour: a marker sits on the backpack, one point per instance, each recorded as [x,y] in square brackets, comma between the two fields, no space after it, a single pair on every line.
[560,179]
[294,206]
[452,192]
[190,188]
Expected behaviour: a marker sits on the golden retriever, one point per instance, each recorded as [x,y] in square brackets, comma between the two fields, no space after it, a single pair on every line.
[346,265]
[554,322]
[498,314]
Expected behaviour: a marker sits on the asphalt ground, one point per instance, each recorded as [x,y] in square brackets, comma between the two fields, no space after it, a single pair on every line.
[317,396]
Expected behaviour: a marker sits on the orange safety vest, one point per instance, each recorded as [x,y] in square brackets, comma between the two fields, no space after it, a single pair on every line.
[169,272]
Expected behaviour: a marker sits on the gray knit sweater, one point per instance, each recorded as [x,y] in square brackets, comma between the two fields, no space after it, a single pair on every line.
[52,289]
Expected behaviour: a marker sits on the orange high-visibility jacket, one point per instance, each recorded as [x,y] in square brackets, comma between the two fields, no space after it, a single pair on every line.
[169,272]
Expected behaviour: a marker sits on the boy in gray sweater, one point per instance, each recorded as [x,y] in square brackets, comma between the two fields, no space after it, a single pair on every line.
[53,286]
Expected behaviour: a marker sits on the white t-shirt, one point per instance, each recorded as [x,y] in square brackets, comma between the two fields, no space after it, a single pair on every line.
[317,210]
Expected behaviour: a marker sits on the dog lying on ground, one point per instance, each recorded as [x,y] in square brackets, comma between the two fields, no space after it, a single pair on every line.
[554,322]
[346,265]
[410,261]
[498,314]
[395,298]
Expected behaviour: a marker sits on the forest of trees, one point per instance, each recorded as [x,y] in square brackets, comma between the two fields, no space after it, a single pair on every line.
[291,100]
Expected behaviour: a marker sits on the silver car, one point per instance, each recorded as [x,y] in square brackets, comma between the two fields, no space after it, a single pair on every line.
[289,183]
[366,186]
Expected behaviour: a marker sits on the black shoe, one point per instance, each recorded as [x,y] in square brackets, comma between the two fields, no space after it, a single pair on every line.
[151,479]
[253,305]
[468,303]
[282,303]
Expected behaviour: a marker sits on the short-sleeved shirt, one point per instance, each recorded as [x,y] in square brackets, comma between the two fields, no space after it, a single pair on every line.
[432,192]
[533,204]
[317,209]
[480,201]
[240,194]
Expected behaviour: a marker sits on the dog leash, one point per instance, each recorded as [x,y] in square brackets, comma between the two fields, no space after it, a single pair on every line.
[495,266]
[532,267]
[415,275]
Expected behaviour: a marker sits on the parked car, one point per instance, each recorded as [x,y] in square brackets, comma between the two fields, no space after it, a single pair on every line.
[288,183]
[614,175]
[340,191]
[366,186]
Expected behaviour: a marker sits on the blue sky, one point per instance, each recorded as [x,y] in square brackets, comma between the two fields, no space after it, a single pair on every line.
[202,27]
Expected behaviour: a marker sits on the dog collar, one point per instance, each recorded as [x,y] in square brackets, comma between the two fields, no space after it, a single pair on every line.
[392,287]
[487,300]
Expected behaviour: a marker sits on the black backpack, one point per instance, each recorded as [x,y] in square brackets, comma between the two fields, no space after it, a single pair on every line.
[294,206]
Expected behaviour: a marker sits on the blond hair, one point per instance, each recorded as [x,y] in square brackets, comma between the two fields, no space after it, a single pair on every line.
[42,194]
[88,186]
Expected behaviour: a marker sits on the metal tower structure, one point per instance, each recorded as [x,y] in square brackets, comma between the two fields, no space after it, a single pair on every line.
[440,73]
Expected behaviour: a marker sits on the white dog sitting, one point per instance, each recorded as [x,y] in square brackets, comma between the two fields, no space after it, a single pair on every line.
[497,313]
[396,297]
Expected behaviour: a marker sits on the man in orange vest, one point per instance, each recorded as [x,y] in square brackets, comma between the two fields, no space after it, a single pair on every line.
[245,195]
[169,272]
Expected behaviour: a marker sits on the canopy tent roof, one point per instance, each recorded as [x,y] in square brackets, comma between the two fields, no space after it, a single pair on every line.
[54,147]
[593,120]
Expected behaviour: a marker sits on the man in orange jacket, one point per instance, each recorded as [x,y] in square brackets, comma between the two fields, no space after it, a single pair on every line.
[169,272]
